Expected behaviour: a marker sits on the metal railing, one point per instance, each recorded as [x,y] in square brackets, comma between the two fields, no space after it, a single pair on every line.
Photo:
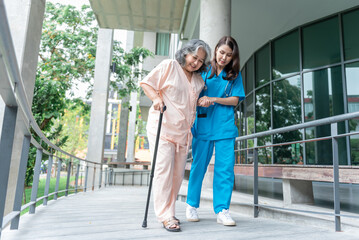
[333,121]
[17,110]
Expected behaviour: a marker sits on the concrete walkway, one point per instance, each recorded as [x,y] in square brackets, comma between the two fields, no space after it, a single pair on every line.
[117,213]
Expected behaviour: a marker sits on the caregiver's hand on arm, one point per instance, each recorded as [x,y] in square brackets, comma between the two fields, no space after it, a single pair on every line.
[204,102]
[152,94]
[207,101]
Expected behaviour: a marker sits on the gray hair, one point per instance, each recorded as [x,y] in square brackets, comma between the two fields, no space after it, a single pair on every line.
[191,47]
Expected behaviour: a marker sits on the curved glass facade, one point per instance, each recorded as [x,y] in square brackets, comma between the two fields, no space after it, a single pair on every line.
[309,73]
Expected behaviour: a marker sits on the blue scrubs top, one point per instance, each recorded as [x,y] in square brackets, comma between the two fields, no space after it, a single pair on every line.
[219,121]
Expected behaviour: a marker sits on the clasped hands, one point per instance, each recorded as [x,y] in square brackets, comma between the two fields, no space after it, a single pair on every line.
[205,101]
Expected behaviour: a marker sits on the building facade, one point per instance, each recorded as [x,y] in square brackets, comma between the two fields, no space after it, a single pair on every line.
[308,73]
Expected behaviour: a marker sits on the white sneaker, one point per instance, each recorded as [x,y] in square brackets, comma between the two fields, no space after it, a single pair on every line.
[224,218]
[191,214]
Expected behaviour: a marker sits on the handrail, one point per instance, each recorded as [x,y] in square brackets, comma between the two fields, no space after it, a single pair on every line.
[314,123]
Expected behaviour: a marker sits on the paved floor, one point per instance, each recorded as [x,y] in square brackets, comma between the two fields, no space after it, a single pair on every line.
[117,213]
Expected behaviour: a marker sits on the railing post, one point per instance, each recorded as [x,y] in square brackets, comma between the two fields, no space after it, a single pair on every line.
[110,181]
[68,178]
[100,178]
[86,176]
[255,178]
[334,133]
[6,145]
[21,181]
[59,166]
[106,175]
[35,182]
[77,177]
[48,179]
[93,178]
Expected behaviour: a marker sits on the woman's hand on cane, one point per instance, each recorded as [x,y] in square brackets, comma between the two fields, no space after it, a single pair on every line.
[158,104]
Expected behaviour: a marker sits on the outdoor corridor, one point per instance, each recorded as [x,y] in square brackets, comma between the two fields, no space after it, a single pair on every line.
[117,213]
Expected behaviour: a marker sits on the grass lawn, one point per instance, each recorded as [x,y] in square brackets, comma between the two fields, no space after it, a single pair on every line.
[41,190]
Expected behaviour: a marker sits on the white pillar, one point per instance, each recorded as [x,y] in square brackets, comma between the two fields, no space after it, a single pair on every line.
[99,104]
[25,20]
[124,118]
[132,128]
[215,20]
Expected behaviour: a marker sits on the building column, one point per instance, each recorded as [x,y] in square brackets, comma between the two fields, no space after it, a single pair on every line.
[99,103]
[124,119]
[132,128]
[25,20]
[215,21]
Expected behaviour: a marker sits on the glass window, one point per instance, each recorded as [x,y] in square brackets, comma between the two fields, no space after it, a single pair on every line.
[249,122]
[263,123]
[240,156]
[162,44]
[351,35]
[352,77]
[323,97]
[285,55]
[262,66]
[287,112]
[249,81]
[321,44]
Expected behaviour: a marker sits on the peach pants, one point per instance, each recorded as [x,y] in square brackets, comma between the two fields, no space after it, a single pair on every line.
[169,172]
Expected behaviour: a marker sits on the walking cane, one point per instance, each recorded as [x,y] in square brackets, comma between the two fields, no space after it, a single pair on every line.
[144,223]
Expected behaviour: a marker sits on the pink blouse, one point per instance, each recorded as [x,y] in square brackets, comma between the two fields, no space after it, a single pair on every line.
[180,97]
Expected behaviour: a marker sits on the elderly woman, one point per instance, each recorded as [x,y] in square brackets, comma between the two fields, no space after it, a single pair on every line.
[175,84]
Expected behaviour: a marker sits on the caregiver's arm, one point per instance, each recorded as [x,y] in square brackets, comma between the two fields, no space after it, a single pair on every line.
[207,101]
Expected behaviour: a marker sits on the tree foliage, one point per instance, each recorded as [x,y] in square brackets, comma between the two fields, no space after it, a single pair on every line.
[67,56]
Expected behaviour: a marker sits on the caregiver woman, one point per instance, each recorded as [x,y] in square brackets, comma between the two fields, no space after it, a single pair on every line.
[175,84]
[214,126]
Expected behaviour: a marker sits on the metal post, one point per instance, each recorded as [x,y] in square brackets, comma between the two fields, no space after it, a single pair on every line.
[255,178]
[106,176]
[35,182]
[68,178]
[59,165]
[93,178]
[334,132]
[86,175]
[21,181]
[48,179]
[100,178]
[6,144]
[111,180]
[77,177]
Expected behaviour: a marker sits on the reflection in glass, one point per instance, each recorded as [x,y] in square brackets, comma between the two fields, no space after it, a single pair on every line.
[263,123]
[352,77]
[249,125]
[323,97]
[287,112]
[351,35]
[285,55]
[249,81]
[262,66]
[239,111]
[321,44]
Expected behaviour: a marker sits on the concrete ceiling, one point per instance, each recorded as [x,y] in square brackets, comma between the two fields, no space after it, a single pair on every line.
[139,15]
[254,22]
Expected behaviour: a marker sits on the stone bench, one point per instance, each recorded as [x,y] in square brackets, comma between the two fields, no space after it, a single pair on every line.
[296,179]
[129,164]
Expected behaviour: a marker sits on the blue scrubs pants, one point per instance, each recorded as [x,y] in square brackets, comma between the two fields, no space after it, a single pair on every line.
[223,179]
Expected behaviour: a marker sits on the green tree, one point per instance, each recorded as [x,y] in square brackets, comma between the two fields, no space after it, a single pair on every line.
[67,57]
